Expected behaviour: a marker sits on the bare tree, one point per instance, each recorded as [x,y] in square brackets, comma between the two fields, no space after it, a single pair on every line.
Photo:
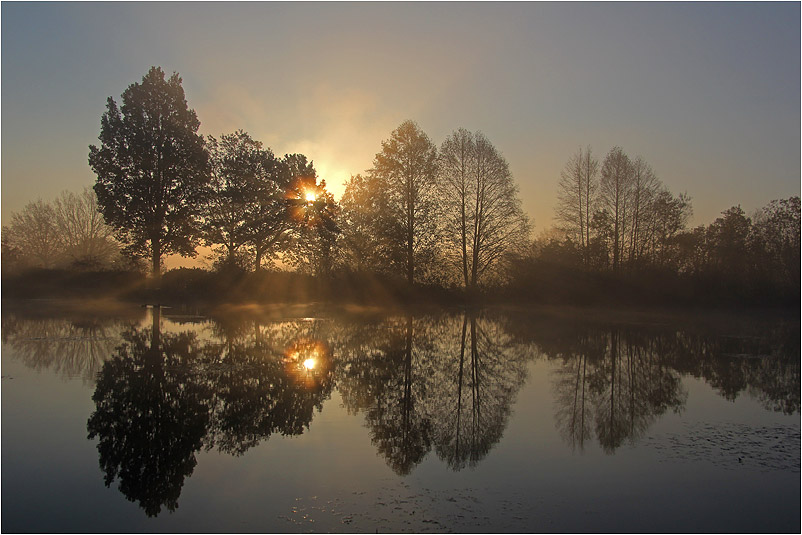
[615,195]
[645,187]
[34,235]
[84,236]
[456,159]
[576,197]
[484,216]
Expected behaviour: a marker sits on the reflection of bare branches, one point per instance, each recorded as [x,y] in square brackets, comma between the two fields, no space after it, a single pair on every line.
[483,372]
[445,381]
[70,348]
[614,384]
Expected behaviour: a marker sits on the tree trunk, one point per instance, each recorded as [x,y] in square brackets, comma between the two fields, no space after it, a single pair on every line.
[258,265]
[156,259]
[410,250]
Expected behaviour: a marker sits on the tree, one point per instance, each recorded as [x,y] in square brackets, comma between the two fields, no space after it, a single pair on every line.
[775,241]
[315,214]
[152,169]
[33,235]
[576,197]
[455,161]
[728,242]
[269,216]
[645,187]
[370,233]
[313,217]
[243,192]
[615,192]
[66,232]
[85,238]
[407,166]
[480,200]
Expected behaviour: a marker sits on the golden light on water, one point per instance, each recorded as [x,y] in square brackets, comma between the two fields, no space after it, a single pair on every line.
[308,362]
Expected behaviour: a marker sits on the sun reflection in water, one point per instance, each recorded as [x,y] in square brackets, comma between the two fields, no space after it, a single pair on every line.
[308,362]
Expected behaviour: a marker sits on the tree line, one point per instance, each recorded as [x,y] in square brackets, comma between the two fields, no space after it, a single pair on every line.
[448,216]
[616,221]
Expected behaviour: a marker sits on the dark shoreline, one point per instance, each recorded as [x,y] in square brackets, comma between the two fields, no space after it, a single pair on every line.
[196,288]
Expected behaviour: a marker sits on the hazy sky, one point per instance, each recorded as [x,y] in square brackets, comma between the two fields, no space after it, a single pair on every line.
[709,94]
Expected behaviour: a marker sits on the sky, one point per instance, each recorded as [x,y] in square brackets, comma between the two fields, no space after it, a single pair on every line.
[707,93]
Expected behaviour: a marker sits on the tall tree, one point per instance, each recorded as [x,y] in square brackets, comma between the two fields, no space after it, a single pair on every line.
[315,230]
[242,173]
[576,197]
[615,192]
[313,214]
[480,199]
[776,241]
[269,210]
[645,187]
[152,169]
[456,160]
[407,165]
[370,233]
[728,243]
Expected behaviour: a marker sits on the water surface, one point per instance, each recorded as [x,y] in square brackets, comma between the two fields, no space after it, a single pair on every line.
[312,419]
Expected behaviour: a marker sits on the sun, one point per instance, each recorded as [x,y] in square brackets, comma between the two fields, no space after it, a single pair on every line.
[310,196]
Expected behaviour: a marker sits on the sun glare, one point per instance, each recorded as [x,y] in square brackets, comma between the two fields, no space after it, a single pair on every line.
[309,364]
[310,196]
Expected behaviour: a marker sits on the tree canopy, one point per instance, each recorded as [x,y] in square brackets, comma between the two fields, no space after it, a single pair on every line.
[152,169]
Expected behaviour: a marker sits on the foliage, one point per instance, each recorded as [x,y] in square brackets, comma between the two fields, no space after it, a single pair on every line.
[152,169]
[407,169]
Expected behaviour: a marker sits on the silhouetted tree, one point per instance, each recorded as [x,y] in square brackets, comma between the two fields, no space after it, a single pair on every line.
[615,192]
[484,219]
[314,214]
[728,241]
[370,233]
[407,166]
[239,196]
[775,241]
[645,187]
[577,197]
[152,169]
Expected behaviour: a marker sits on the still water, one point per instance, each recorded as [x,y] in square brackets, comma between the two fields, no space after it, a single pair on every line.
[310,419]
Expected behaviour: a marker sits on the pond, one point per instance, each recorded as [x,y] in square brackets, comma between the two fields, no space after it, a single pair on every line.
[314,419]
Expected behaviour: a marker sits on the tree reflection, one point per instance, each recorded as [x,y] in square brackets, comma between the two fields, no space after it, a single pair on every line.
[259,390]
[385,380]
[614,382]
[164,396]
[74,347]
[151,416]
[444,382]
